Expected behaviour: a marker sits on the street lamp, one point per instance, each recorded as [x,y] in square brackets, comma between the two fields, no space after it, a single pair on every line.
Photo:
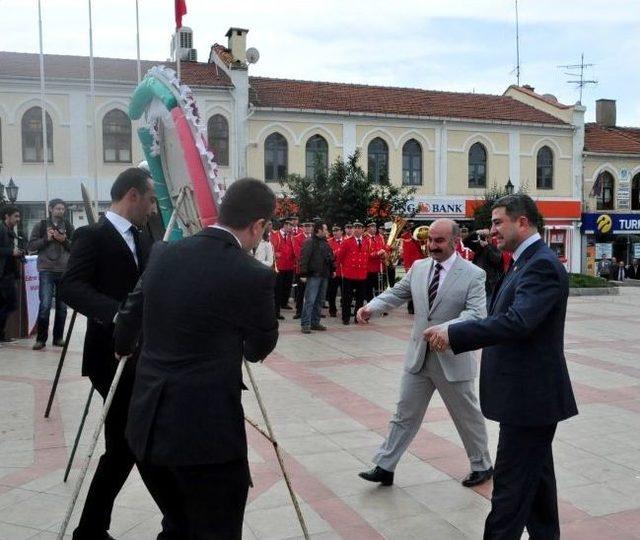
[508,187]
[12,191]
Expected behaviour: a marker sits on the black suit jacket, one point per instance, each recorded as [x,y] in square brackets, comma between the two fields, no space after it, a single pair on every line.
[523,374]
[100,274]
[207,303]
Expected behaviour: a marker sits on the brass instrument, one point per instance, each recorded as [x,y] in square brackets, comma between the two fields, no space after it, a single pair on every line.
[394,241]
[421,234]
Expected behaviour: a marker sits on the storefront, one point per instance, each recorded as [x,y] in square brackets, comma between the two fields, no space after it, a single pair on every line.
[429,208]
[612,235]
[561,228]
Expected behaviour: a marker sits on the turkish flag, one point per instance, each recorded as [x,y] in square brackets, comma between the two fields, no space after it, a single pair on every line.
[181,9]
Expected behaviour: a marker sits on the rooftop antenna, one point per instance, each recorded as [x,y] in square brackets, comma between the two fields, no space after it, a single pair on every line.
[517,46]
[581,82]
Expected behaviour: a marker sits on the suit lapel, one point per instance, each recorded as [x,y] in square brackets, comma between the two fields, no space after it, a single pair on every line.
[452,275]
[508,278]
[118,240]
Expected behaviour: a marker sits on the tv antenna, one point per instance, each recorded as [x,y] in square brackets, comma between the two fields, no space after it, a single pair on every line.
[580,81]
[517,46]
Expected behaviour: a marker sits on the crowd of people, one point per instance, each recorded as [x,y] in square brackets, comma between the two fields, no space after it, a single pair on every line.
[187,313]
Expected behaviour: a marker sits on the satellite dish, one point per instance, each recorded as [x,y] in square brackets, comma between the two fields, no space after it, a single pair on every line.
[252,55]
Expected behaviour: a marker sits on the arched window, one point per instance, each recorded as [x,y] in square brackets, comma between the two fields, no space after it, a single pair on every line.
[116,137]
[477,166]
[32,143]
[635,192]
[317,156]
[218,135]
[411,163]
[544,168]
[275,157]
[378,160]
[605,195]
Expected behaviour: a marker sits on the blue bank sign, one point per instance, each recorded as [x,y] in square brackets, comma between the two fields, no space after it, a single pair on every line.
[609,223]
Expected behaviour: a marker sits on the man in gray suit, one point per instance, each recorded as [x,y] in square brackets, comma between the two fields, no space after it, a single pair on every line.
[445,289]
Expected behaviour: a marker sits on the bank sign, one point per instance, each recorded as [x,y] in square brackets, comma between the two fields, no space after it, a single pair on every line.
[609,223]
[437,207]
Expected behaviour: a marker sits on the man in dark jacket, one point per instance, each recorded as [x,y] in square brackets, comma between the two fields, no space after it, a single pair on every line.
[10,256]
[487,257]
[524,381]
[105,263]
[51,239]
[204,303]
[317,265]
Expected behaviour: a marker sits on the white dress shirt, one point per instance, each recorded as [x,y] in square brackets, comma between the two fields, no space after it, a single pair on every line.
[520,249]
[222,228]
[123,226]
[446,267]
[264,253]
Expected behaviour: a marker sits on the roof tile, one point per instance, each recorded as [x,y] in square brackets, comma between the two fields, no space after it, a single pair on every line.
[611,140]
[326,96]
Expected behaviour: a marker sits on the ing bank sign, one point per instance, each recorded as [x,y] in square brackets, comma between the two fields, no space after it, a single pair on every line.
[605,223]
[433,207]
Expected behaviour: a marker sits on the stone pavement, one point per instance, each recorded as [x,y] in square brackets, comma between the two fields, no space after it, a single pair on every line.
[330,396]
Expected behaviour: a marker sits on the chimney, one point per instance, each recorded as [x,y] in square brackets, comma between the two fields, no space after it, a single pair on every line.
[528,87]
[606,112]
[238,43]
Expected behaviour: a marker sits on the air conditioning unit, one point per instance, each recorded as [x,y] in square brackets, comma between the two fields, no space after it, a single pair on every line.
[182,45]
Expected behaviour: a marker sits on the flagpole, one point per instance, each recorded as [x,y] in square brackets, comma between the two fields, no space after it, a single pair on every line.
[178,50]
[92,93]
[138,42]
[45,142]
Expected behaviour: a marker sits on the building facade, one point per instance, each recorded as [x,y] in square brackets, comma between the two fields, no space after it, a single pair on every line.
[450,146]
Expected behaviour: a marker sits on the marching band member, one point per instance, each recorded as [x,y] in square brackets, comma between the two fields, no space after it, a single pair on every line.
[283,250]
[375,265]
[354,258]
[335,243]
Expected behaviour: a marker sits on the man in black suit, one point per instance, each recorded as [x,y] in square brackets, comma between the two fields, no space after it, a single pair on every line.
[10,256]
[633,271]
[524,381]
[204,303]
[105,263]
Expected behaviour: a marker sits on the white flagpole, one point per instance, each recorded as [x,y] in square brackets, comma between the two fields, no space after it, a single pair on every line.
[138,42]
[45,142]
[92,92]
[178,51]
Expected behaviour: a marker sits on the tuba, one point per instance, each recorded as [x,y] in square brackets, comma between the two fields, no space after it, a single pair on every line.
[421,235]
[394,240]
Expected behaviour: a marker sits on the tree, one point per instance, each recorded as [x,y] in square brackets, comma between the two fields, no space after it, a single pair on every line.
[482,213]
[344,193]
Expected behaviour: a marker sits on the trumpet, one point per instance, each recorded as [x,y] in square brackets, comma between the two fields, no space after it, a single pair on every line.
[421,235]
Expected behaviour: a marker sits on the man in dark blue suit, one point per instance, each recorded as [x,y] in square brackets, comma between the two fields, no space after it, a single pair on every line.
[524,382]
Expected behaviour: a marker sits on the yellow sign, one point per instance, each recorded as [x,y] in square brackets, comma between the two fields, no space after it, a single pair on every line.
[604,223]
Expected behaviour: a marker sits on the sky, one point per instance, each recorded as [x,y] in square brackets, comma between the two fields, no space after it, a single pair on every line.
[455,45]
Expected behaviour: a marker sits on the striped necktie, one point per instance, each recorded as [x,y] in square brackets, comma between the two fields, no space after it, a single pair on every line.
[433,286]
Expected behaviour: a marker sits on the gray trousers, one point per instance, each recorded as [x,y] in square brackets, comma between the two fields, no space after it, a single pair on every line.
[460,399]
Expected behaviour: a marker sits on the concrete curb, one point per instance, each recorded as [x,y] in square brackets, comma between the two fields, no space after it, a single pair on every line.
[594,291]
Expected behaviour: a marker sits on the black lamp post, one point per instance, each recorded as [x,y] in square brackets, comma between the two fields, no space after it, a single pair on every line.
[508,187]
[12,191]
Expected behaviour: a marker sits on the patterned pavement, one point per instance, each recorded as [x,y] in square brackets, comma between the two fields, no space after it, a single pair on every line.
[330,396]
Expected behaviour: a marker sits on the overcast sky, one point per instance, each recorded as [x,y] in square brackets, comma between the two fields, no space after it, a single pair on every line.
[458,45]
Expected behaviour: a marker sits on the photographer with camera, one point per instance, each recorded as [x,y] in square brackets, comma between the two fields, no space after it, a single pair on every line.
[487,256]
[50,238]
[10,257]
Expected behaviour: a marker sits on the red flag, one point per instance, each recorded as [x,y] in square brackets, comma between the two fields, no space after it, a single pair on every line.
[181,9]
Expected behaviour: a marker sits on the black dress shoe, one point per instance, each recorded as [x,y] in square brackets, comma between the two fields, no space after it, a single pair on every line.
[475,478]
[6,340]
[58,342]
[345,323]
[297,316]
[286,307]
[280,318]
[377,474]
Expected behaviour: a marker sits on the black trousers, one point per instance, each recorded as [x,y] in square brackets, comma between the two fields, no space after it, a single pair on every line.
[335,283]
[299,295]
[524,485]
[352,288]
[115,464]
[284,280]
[375,281]
[200,502]
[8,301]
